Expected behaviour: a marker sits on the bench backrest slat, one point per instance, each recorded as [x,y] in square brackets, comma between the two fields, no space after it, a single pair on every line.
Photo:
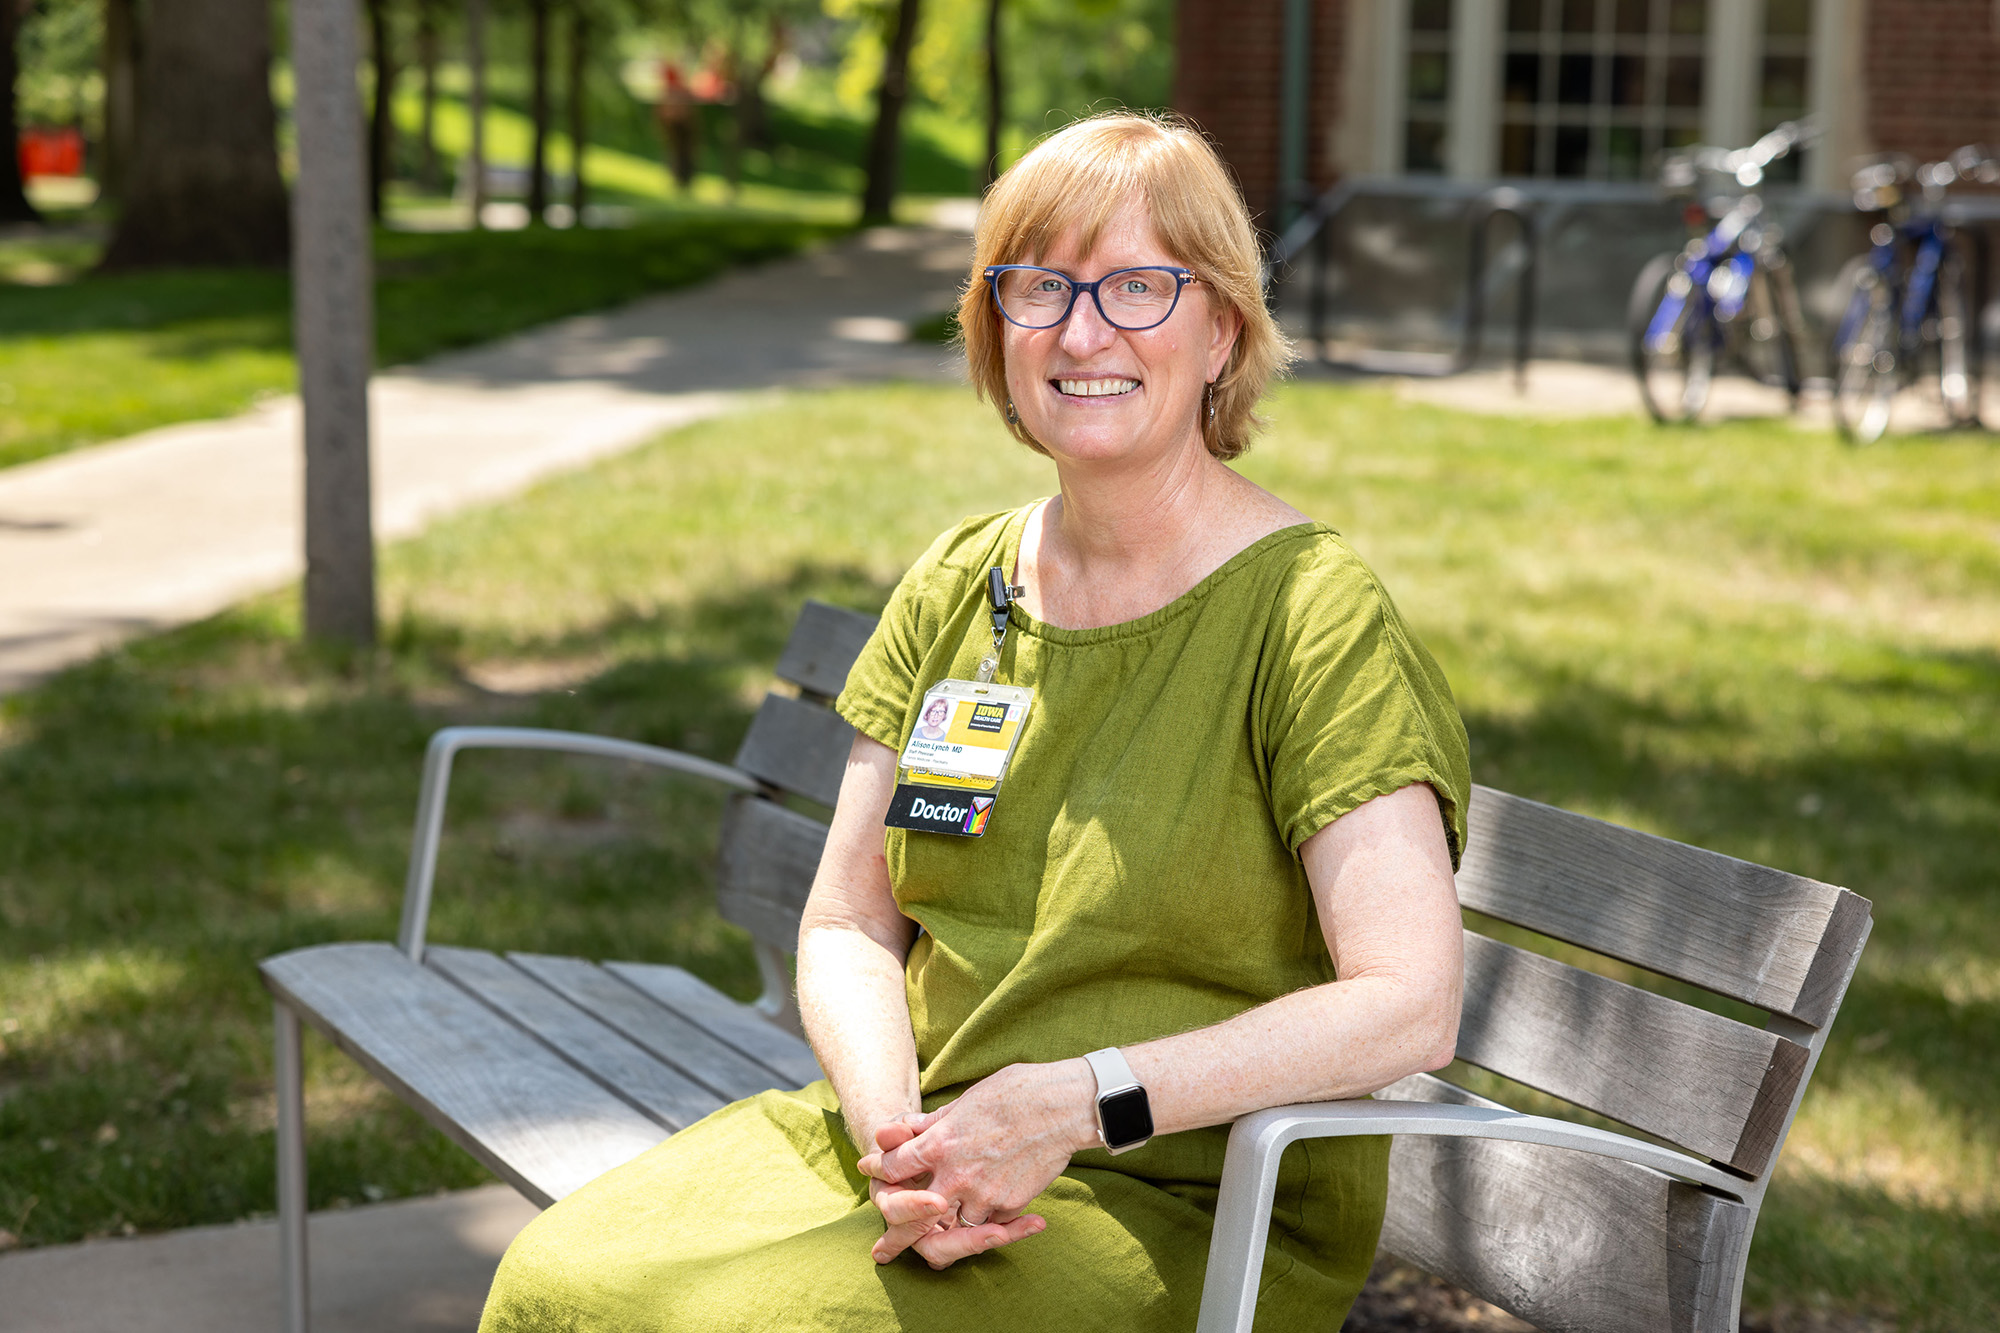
[765,866]
[1571,1242]
[1771,939]
[797,746]
[1714,1086]
[823,647]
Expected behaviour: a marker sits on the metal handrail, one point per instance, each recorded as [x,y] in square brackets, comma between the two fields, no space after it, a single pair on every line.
[448,743]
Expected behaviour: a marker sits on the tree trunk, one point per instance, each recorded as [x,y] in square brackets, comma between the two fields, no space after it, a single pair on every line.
[579,93]
[427,59]
[752,113]
[732,70]
[475,59]
[203,185]
[381,119]
[538,109]
[885,144]
[121,60]
[333,321]
[14,205]
[996,96]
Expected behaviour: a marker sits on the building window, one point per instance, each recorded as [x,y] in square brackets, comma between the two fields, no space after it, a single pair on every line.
[1427,85]
[1596,88]
[1782,86]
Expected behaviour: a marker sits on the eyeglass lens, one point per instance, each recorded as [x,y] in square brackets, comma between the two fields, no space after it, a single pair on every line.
[1133,298]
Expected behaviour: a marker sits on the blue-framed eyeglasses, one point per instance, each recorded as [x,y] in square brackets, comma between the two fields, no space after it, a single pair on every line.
[1131,299]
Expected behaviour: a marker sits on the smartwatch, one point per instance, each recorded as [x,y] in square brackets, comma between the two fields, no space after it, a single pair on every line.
[1124,1116]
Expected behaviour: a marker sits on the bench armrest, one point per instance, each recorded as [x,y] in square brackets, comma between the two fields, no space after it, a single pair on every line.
[445,746]
[1259,1140]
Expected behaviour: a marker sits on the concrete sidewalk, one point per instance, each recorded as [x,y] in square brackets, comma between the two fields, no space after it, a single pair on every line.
[179,523]
[414,1266]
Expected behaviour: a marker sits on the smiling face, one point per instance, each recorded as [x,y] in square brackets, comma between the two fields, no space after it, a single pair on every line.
[937,713]
[1089,392]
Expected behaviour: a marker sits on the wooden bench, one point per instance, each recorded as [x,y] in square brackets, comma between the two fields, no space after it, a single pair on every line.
[552,1070]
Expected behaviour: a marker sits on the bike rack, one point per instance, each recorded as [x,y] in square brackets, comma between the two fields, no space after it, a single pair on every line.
[1494,204]
[1975,337]
[1314,228]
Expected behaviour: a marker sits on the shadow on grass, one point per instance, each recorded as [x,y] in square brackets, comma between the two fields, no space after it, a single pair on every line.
[176,811]
[1901,820]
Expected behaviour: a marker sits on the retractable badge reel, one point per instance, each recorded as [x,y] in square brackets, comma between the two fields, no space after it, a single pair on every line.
[949,774]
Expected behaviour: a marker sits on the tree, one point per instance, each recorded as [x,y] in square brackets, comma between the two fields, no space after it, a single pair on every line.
[14,205]
[382,114]
[538,109]
[427,63]
[121,75]
[203,186]
[579,95]
[885,144]
[996,96]
[333,320]
[475,61]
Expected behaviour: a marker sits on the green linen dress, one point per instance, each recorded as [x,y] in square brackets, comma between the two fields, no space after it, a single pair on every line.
[1139,877]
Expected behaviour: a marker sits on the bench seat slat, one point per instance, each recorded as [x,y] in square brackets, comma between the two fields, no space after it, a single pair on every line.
[1762,936]
[1705,1082]
[1570,1242]
[713,1063]
[530,1117]
[823,647]
[789,1059]
[797,746]
[653,1086]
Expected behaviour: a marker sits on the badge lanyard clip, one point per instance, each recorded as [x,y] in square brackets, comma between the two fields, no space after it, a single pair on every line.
[1001,595]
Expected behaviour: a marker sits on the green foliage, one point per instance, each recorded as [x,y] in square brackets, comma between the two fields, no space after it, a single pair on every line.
[102,356]
[60,81]
[1061,58]
[1746,637]
[939,328]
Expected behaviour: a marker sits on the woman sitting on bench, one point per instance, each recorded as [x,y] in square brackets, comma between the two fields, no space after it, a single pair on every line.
[1184,851]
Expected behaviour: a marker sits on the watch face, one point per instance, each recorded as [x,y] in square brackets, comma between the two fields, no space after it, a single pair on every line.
[1127,1117]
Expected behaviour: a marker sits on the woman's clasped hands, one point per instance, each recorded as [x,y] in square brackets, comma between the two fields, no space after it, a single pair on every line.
[953,1182]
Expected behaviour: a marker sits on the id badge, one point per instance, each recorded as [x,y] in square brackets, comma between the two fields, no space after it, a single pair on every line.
[948,776]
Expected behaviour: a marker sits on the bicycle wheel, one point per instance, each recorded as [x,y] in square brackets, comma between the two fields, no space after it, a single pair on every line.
[1763,337]
[1863,355]
[1957,377]
[1673,341]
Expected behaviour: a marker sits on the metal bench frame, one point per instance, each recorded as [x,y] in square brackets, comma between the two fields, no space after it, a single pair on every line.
[1570,1226]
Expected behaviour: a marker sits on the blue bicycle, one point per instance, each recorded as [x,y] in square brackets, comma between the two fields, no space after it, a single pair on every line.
[1728,297]
[1907,312]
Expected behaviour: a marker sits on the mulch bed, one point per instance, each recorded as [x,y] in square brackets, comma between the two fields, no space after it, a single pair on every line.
[1402,1299]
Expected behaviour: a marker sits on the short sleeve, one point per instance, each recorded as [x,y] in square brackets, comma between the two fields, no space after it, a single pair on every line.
[1353,705]
[882,683]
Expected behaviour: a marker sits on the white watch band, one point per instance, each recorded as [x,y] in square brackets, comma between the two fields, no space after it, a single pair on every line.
[1113,1074]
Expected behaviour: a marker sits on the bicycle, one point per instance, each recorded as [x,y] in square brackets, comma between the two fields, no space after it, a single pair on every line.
[1728,296]
[1906,304]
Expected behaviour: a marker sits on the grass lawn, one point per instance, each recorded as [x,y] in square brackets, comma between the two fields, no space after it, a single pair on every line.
[1747,637]
[101,356]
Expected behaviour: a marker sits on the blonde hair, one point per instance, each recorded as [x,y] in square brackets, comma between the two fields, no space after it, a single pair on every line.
[1076,181]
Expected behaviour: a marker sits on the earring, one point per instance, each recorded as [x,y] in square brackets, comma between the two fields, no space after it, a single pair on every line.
[1013,417]
[1208,396]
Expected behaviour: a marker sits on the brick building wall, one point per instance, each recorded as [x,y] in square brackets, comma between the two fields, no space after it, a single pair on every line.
[1929,75]
[1229,79]
[1933,73]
